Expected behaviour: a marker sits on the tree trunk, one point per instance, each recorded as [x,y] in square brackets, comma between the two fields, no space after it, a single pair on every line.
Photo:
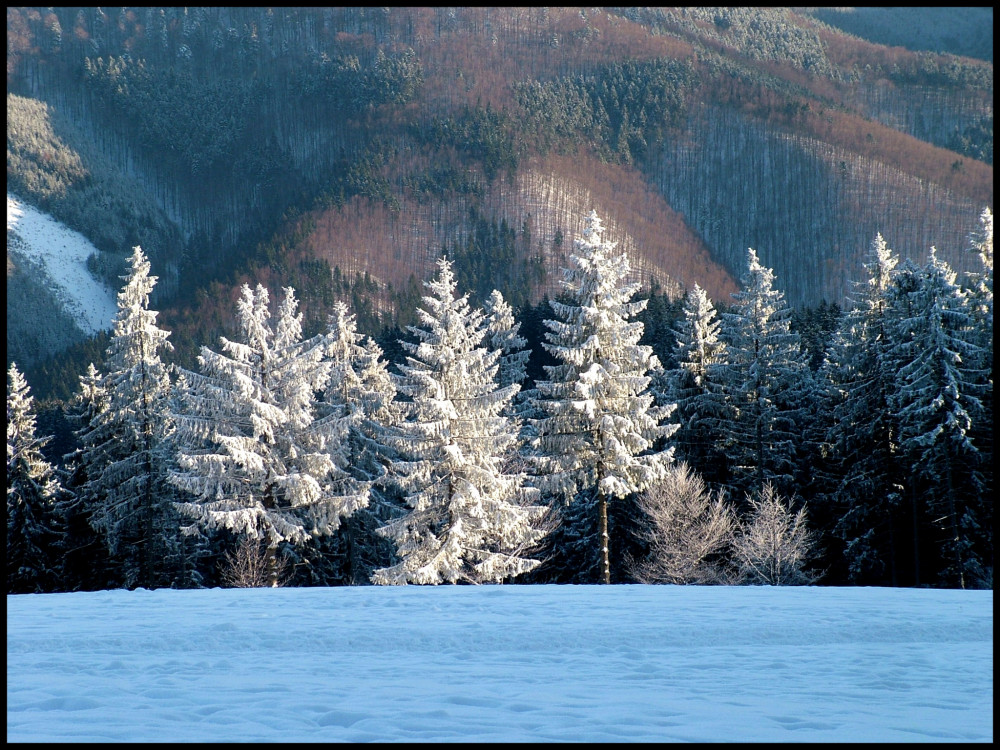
[272,565]
[894,577]
[955,535]
[602,505]
[916,538]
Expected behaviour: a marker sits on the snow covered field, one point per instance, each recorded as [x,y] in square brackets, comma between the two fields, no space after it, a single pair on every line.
[63,253]
[502,663]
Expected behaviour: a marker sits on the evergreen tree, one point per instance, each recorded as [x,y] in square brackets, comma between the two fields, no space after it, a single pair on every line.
[86,563]
[361,394]
[128,440]
[864,435]
[252,454]
[502,334]
[33,494]
[936,398]
[471,518]
[762,379]
[702,412]
[600,433]
[980,286]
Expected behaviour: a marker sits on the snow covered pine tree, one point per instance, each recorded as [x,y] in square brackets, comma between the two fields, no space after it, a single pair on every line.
[32,493]
[863,435]
[937,399]
[599,429]
[470,519]
[127,440]
[763,371]
[361,393]
[252,454]
[701,404]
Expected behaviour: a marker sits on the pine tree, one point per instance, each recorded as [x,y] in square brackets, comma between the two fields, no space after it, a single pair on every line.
[702,412]
[936,396]
[864,435]
[252,454]
[33,494]
[980,287]
[470,518]
[600,432]
[981,282]
[86,563]
[502,334]
[361,394]
[761,378]
[128,440]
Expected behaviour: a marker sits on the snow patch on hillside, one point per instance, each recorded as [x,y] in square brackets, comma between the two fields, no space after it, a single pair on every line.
[62,253]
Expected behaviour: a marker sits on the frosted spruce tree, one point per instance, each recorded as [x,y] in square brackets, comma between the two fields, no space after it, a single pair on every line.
[502,334]
[981,282]
[762,377]
[600,438]
[128,441]
[252,455]
[936,400]
[469,519]
[860,375]
[980,290]
[361,394]
[86,562]
[33,493]
[702,412]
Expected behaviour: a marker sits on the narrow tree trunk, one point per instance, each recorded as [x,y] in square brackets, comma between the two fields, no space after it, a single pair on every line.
[602,505]
[892,554]
[272,565]
[955,535]
[916,538]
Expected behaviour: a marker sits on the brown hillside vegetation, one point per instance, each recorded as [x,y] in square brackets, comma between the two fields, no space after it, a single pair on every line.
[558,191]
[473,55]
[966,177]
[849,130]
[550,195]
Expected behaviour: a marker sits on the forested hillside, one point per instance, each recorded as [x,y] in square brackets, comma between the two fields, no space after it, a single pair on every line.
[673,226]
[343,150]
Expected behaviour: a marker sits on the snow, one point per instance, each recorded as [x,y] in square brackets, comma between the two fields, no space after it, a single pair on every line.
[63,253]
[545,663]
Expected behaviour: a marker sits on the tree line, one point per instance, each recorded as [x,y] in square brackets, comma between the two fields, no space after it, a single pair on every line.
[852,447]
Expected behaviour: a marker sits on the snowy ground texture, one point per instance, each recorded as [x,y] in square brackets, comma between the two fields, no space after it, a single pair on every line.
[63,254]
[502,664]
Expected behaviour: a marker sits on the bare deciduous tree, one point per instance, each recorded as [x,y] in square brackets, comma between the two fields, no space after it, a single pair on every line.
[690,528]
[248,566]
[772,546]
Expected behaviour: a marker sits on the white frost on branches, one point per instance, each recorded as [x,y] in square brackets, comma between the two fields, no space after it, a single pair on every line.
[253,456]
[127,439]
[599,430]
[600,427]
[470,518]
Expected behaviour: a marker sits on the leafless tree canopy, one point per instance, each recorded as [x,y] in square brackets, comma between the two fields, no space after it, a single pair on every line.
[247,566]
[773,545]
[689,530]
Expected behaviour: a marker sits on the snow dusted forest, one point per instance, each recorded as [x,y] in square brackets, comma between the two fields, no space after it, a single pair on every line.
[747,453]
[430,295]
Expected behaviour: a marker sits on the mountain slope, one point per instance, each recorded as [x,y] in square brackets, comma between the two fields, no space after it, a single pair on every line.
[341,150]
[53,301]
